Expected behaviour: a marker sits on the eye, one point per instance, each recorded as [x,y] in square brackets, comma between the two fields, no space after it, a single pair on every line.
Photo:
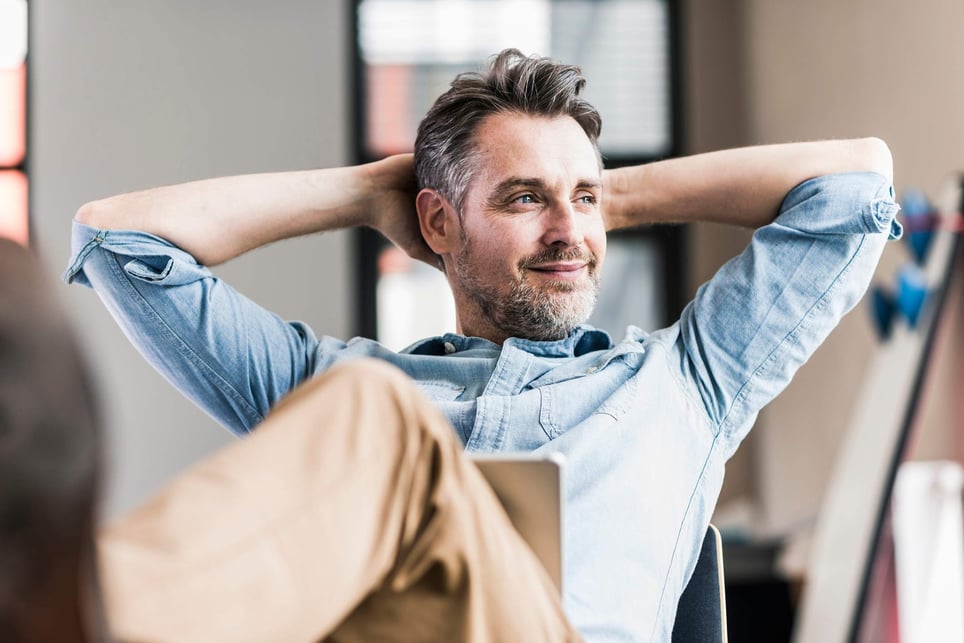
[525,198]
[587,199]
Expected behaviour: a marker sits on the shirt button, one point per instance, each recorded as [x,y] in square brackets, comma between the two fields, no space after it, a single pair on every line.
[591,370]
[449,348]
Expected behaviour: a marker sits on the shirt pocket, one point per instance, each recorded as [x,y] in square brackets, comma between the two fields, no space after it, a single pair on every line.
[165,270]
[598,394]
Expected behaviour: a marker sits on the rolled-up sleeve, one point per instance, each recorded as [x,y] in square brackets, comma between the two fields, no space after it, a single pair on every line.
[766,311]
[227,354]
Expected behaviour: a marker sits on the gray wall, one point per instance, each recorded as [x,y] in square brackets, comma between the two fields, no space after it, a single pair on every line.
[133,94]
[831,68]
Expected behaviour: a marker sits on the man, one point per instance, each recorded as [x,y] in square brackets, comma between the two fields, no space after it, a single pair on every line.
[511,202]
[49,465]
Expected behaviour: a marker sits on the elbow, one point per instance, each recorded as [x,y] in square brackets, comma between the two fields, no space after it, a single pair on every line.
[91,214]
[103,214]
[877,157]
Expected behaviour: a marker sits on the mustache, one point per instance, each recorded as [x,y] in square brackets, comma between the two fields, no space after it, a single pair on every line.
[553,254]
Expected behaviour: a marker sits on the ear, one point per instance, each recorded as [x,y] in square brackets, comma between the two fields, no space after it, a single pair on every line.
[438,221]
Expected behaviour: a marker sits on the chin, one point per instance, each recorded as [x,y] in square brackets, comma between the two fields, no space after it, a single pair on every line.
[549,318]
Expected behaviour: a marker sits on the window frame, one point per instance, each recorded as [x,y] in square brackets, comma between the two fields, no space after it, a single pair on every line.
[671,240]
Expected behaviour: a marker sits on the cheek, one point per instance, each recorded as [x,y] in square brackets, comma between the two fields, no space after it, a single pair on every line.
[489,258]
[502,250]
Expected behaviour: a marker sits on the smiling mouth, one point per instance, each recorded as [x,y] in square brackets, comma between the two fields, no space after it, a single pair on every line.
[562,268]
[560,265]
[564,275]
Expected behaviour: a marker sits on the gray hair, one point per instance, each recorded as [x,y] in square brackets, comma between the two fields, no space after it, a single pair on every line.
[445,150]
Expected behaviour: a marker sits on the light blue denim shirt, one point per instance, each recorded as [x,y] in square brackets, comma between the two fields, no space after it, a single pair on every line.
[645,424]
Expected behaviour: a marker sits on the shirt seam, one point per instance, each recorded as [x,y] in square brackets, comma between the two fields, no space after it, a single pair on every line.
[789,339]
[679,532]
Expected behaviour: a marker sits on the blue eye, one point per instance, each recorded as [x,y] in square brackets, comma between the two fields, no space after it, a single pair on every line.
[525,198]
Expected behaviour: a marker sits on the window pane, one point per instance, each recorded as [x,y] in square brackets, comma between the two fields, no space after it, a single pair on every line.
[411,50]
[13,33]
[632,290]
[13,206]
[414,300]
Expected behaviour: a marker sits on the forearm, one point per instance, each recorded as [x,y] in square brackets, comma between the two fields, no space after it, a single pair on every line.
[218,219]
[743,186]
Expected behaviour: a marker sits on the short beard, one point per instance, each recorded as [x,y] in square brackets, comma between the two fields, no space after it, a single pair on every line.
[527,312]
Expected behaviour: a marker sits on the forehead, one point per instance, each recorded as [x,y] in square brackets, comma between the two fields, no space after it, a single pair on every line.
[553,149]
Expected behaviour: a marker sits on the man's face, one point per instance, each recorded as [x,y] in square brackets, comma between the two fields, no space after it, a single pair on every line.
[532,239]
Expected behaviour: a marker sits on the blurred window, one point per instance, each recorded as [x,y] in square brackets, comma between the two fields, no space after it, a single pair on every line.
[411,49]
[408,52]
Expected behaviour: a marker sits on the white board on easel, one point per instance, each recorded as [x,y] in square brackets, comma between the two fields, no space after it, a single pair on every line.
[847,527]
[929,551]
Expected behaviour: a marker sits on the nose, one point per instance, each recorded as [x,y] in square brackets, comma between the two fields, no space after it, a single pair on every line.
[563,226]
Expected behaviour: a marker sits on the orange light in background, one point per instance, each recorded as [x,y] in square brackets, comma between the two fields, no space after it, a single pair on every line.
[14,222]
[390,128]
[13,115]
[13,206]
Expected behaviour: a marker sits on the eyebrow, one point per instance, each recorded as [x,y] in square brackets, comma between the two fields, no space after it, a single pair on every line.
[536,183]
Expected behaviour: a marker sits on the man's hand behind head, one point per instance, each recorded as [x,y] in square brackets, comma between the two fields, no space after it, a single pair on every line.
[393,206]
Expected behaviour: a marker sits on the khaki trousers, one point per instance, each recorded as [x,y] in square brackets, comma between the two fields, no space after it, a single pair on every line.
[350,514]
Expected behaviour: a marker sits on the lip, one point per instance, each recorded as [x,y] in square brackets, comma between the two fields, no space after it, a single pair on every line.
[561,269]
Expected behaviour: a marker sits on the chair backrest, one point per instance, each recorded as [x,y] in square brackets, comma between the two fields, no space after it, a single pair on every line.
[701,613]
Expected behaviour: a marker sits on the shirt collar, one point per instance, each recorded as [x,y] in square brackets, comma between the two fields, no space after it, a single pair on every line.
[584,339]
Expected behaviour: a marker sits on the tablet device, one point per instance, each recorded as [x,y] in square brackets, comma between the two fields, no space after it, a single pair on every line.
[529,486]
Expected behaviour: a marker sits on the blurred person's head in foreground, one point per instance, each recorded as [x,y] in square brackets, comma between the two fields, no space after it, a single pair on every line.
[49,464]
